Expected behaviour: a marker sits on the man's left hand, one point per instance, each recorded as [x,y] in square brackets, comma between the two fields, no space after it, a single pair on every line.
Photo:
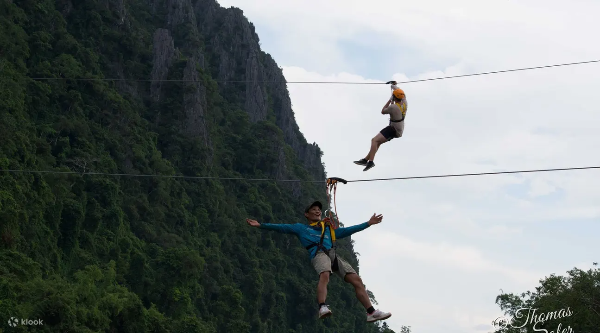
[375,219]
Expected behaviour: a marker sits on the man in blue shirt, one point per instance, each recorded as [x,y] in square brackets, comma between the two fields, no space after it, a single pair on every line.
[323,257]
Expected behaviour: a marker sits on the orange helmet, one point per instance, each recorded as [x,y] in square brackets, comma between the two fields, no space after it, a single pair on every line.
[399,93]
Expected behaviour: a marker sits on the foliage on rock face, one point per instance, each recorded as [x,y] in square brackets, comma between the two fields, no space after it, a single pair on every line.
[560,304]
[90,253]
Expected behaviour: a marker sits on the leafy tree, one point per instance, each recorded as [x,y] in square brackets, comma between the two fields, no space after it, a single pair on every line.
[560,304]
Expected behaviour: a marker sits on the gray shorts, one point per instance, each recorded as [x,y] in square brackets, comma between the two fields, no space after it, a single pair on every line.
[323,263]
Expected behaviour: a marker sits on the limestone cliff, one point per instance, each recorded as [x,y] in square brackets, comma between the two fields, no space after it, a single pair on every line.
[229,47]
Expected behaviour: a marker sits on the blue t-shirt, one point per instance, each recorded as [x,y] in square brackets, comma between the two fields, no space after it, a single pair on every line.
[309,235]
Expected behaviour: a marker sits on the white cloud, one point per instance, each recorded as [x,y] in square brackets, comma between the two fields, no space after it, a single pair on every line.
[446,146]
[422,217]
[444,255]
[447,245]
[422,285]
[540,187]
[482,33]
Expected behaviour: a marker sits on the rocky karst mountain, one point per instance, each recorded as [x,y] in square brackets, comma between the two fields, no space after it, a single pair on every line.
[124,88]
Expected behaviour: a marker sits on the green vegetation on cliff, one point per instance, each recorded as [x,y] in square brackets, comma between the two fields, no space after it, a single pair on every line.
[92,253]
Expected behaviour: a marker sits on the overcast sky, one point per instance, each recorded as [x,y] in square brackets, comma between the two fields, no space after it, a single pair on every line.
[447,246]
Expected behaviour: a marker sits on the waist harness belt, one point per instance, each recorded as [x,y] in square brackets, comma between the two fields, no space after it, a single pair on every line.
[320,247]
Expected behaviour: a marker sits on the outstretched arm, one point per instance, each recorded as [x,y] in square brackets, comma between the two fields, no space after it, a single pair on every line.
[282,228]
[345,232]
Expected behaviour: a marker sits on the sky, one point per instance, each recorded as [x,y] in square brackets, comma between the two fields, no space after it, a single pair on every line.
[447,246]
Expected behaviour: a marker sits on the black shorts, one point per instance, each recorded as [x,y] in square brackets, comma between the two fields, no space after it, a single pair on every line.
[388,132]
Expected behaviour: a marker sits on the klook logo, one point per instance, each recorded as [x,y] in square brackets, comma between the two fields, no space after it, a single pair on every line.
[535,320]
[13,322]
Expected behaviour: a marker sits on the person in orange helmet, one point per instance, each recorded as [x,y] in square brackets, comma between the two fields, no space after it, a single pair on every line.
[396,107]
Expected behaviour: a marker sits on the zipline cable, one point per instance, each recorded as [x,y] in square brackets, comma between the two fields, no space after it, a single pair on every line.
[295,180]
[321,82]
[502,71]
[474,174]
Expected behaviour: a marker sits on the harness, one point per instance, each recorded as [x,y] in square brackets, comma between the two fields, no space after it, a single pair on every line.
[331,184]
[320,247]
[403,109]
[401,106]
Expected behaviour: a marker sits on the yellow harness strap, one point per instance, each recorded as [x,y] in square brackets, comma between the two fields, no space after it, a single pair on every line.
[331,230]
[402,107]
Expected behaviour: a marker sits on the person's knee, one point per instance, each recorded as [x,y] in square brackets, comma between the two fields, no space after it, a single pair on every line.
[354,279]
[358,280]
[378,139]
[324,277]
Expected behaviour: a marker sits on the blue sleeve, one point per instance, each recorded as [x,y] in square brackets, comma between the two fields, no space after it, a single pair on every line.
[282,228]
[345,232]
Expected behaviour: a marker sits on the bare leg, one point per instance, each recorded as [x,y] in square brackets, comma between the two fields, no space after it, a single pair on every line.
[322,287]
[375,143]
[361,291]
[373,151]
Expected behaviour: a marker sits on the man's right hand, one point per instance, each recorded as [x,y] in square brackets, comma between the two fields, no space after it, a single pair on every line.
[375,219]
[252,223]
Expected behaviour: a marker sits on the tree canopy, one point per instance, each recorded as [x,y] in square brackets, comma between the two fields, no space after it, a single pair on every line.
[90,253]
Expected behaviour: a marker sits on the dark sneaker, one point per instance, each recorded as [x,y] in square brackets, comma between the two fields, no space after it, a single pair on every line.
[362,161]
[370,164]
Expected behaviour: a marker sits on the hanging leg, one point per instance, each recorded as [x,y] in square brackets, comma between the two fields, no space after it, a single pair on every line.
[376,142]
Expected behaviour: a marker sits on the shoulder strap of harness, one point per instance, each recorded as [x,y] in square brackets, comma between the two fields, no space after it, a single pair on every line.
[334,264]
[320,244]
[403,109]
